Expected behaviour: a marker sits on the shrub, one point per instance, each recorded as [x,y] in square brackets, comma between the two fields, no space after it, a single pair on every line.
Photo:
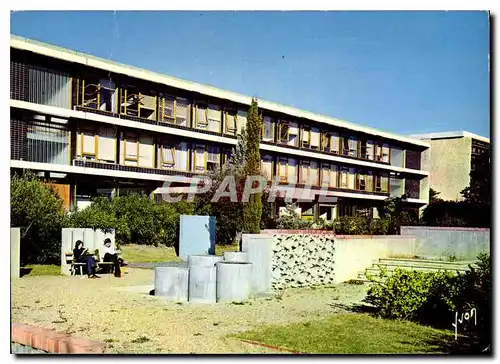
[136,219]
[380,226]
[404,293]
[167,217]
[289,219]
[38,210]
[432,298]
[347,225]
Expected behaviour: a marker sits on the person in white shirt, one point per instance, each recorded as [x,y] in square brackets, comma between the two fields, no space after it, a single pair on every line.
[109,255]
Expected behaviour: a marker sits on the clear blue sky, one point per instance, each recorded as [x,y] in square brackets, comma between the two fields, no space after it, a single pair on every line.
[405,72]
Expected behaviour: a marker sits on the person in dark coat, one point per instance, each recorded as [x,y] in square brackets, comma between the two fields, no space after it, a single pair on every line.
[81,255]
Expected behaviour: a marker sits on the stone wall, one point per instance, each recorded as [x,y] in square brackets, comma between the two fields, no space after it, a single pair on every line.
[308,259]
[300,260]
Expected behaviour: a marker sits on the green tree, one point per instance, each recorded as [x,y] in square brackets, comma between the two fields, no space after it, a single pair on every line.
[433,196]
[38,210]
[252,210]
[478,195]
[395,211]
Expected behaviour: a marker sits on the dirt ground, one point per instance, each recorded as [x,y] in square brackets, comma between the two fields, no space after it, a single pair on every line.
[120,313]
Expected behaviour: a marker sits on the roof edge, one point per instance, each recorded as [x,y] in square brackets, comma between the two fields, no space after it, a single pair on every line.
[65,54]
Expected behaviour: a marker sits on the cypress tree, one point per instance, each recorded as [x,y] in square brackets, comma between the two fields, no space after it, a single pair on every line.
[252,210]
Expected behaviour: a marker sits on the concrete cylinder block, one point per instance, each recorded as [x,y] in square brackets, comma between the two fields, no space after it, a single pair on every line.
[172,283]
[202,284]
[259,249]
[203,260]
[236,257]
[233,281]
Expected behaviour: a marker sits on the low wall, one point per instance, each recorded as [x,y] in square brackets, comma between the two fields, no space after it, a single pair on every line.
[92,240]
[15,252]
[442,242]
[355,253]
[301,260]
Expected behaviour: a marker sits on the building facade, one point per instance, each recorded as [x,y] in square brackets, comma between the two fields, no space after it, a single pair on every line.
[453,156]
[95,127]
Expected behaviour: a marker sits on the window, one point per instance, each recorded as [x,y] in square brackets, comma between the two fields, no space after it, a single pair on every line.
[182,110]
[267,166]
[200,162]
[325,174]
[344,177]
[284,130]
[201,117]
[353,147]
[131,147]
[345,146]
[304,172]
[367,151]
[315,136]
[167,156]
[174,110]
[292,170]
[314,173]
[382,182]
[167,113]
[382,152]
[212,158]
[306,139]
[231,119]
[89,142]
[335,143]
[214,116]
[325,142]
[268,129]
[213,155]
[365,181]
[289,133]
[283,169]
[361,181]
[334,173]
[106,144]
[241,120]
[385,153]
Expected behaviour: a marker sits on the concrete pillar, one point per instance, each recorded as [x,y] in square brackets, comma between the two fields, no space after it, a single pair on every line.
[172,283]
[259,249]
[236,257]
[203,260]
[67,245]
[233,281]
[15,252]
[202,284]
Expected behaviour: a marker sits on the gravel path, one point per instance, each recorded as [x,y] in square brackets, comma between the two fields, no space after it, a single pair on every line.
[120,313]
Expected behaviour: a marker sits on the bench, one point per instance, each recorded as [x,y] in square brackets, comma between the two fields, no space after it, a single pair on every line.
[77,267]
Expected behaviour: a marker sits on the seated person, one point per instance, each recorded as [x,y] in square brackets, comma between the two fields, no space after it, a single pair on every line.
[81,255]
[109,255]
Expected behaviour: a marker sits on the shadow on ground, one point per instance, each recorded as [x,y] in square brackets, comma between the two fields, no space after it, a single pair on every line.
[23,271]
[464,345]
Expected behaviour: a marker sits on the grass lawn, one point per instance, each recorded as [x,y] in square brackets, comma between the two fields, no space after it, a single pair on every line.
[143,253]
[220,249]
[353,334]
[133,253]
[41,270]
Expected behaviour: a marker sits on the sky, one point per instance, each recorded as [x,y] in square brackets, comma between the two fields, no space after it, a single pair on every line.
[403,72]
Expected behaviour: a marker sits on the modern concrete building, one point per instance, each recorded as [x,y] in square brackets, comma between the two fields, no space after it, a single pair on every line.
[452,157]
[96,127]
